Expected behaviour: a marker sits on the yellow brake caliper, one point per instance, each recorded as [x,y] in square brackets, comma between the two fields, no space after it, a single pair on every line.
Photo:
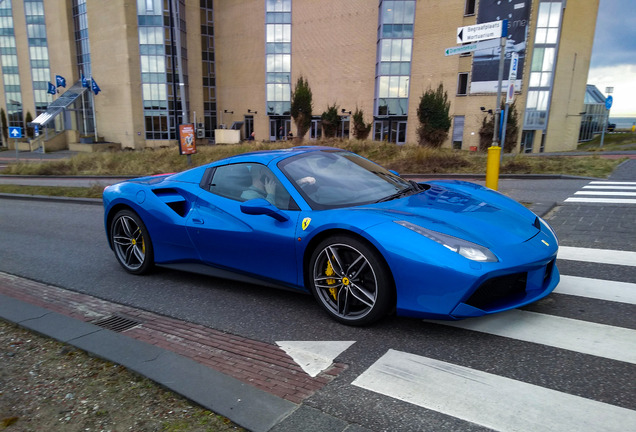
[330,272]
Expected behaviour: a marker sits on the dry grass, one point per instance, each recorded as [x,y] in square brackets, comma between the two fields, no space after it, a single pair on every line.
[406,159]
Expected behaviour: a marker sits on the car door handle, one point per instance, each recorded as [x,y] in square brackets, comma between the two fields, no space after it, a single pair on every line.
[197,221]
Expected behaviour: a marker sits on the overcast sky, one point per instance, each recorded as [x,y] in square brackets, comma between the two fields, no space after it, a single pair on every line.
[614,54]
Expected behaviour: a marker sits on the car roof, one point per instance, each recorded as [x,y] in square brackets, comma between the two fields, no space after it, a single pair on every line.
[264,157]
[267,156]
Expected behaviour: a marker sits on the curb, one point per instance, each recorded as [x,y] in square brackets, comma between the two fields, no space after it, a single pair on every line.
[66,200]
[252,383]
[247,406]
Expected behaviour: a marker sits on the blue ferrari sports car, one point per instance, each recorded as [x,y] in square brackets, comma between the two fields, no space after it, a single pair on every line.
[364,241]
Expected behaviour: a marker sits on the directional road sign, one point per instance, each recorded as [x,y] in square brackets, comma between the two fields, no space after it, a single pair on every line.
[471,47]
[15,132]
[608,102]
[477,32]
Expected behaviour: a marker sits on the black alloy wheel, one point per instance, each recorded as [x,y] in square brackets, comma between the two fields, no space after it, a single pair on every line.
[131,242]
[351,281]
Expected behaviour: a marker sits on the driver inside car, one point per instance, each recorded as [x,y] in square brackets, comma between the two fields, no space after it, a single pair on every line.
[263,186]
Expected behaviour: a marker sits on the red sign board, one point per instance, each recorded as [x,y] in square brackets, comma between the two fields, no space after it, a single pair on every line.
[187,144]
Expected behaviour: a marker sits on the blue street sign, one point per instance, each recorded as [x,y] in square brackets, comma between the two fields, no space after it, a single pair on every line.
[608,102]
[15,132]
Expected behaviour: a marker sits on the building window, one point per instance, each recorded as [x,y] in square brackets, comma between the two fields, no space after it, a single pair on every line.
[158,58]
[10,75]
[469,8]
[85,122]
[458,132]
[527,140]
[38,54]
[208,68]
[278,57]
[462,84]
[542,65]
[393,66]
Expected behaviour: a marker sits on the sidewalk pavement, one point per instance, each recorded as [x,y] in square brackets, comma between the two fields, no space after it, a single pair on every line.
[254,384]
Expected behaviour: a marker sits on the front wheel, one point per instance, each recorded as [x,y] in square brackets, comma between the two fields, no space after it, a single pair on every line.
[351,281]
[131,242]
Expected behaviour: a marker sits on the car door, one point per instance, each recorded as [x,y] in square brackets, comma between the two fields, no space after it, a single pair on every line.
[225,237]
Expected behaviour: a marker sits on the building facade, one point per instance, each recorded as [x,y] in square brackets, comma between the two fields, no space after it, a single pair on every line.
[218,63]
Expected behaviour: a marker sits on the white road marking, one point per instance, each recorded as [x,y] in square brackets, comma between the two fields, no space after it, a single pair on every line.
[602,193]
[314,356]
[602,256]
[613,183]
[622,292]
[600,340]
[602,200]
[611,187]
[489,400]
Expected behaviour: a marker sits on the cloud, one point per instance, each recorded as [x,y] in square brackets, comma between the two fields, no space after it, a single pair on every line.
[615,34]
[622,79]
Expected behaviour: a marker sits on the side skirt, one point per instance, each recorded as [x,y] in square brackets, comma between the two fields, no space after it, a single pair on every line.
[226,274]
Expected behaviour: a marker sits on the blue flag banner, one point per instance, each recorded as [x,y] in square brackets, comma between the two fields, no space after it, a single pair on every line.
[84,81]
[60,81]
[51,89]
[95,87]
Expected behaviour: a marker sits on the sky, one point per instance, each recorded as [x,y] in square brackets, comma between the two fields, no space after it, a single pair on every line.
[613,61]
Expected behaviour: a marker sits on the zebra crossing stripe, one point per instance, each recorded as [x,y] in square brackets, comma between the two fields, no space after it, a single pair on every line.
[600,340]
[611,187]
[612,183]
[602,200]
[621,292]
[605,193]
[489,400]
[602,256]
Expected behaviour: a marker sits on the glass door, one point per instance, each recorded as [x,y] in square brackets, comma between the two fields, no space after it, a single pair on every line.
[401,133]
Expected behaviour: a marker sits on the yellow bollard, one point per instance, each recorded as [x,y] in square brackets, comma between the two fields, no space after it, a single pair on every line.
[492,167]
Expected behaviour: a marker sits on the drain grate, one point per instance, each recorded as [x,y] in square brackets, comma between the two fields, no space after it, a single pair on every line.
[117,323]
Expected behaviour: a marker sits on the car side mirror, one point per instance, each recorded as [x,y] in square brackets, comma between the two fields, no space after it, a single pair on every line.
[260,206]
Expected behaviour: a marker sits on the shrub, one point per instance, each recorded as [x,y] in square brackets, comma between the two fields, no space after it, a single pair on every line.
[512,129]
[360,129]
[330,121]
[302,106]
[433,116]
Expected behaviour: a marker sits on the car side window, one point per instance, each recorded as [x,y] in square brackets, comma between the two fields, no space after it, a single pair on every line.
[245,181]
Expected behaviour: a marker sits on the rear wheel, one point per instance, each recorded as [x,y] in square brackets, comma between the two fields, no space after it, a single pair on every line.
[131,242]
[351,281]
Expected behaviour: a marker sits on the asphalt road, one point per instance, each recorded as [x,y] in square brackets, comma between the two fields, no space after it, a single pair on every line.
[65,245]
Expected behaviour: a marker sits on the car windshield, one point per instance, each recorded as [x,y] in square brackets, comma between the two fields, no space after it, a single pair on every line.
[333,179]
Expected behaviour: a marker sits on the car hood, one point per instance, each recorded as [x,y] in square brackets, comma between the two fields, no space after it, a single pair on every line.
[464,210]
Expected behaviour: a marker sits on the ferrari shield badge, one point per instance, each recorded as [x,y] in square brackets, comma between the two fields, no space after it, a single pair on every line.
[306,223]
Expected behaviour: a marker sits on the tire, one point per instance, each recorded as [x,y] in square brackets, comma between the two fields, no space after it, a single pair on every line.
[351,281]
[131,242]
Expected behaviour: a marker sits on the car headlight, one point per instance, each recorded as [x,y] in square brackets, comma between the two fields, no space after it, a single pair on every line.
[470,250]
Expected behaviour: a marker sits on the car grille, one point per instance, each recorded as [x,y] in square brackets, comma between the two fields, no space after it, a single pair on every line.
[497,289]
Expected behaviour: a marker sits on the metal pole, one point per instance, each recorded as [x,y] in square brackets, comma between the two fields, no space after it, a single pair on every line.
[503,131]
[604,127]
[84,113]
[90,89]
[502,58]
